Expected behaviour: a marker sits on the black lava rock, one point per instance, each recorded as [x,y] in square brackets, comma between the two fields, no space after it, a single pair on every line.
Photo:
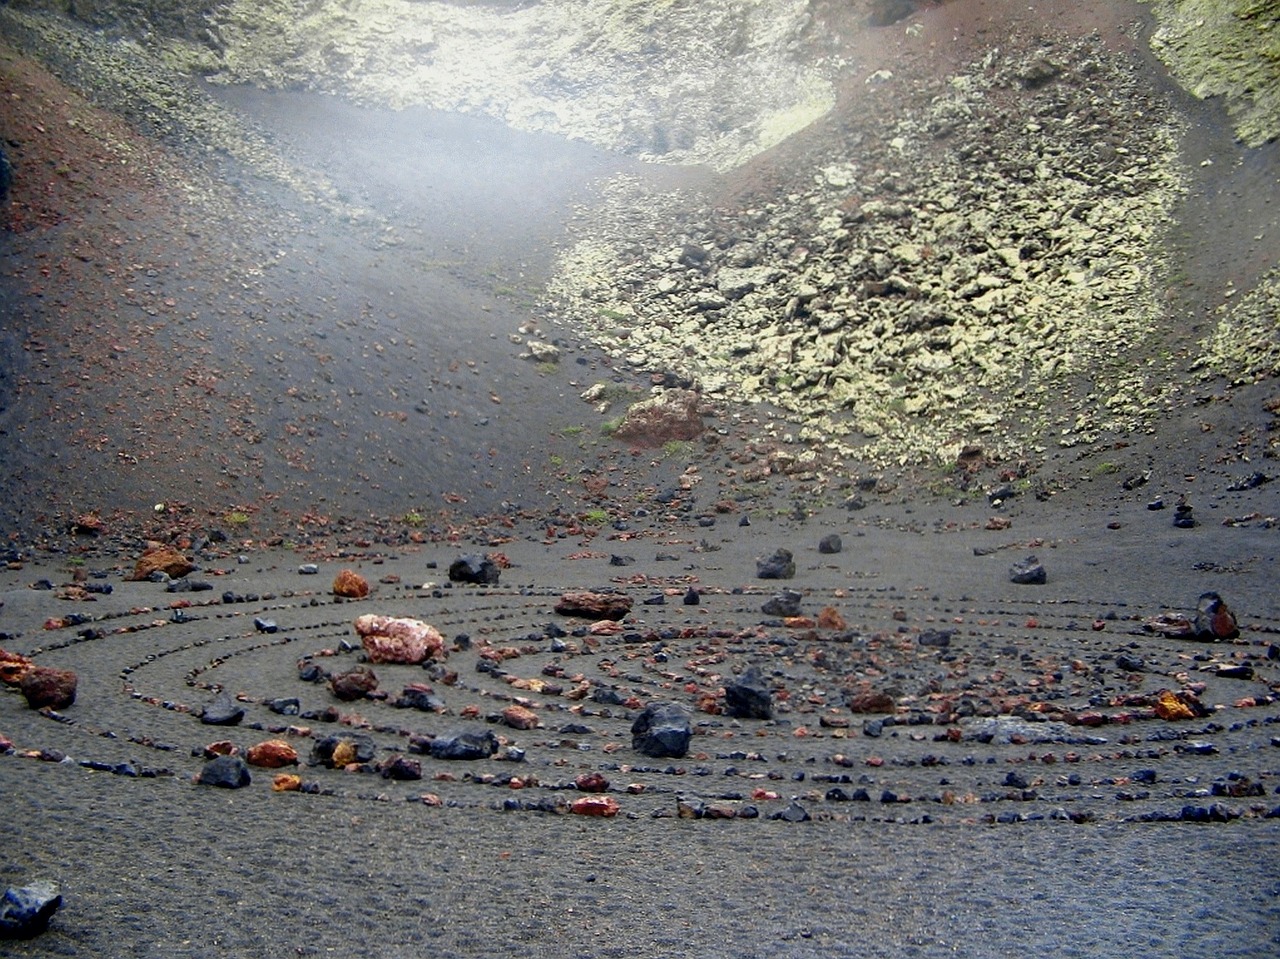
[830,544]
[1028,572]
[749,696]
[661,730]
[223,711]
[464,745]
[478,570]
[786,603]
[228,772]
[25,911]
[778,566]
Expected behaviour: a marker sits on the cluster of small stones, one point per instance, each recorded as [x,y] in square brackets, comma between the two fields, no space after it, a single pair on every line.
[982,268]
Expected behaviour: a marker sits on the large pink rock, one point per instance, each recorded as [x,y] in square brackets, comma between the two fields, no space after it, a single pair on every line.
[390,639]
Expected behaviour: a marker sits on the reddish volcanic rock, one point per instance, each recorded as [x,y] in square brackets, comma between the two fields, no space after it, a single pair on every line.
[591,783]
[387,639]
[353,685]
[595,806]
[13,666]
[869,701]
[671,415]
[45,686]
[272,754]
[164,559]
[518,717]
[350,585]
[594,605]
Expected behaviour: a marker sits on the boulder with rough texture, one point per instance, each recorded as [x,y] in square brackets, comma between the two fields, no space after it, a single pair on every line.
[778,566]
[672,415]
[604,806]
[391,639]
[869,701]
[401,769]
[272,754]
[464,745]
[13,666]
[354,684]
[591,605]
[829,544]
[749,696]
[784,604]
[477,570]
[350,585]
[223,711]
[161,559]
[25,911]
[1028,572]
[520,717]
[44,686]
[662,730]
[227,772]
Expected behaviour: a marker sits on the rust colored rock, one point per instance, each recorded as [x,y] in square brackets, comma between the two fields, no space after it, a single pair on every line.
[595,806]
[163,559]
[591,783]
[13,666]
[594,605]
[870,701]
[671,415]
[223,747]
[286,783]
[1184,705]
[830,618]
[388,639]
[518,717]
[354,685]
[44,686]
[350,585]
[272,754]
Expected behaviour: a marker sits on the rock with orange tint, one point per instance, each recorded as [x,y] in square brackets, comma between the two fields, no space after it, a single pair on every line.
[350,585]
[223,747]
[286,783]
[44,686]
[13,666]
[390,639]
[518,717]
[272,754]
[595,806]
[869,701]
[592,605]
[1183,705]
[830,618]
[161,559]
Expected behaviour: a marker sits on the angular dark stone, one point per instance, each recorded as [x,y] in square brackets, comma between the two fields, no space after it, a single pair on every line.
[464,745]
[786,603]
[1131,664]
[778,566]
[25,911]
[413,698]
[1028,572]
[793,813]
[830,544]
[940,638]
[228,772]
[285,707]
[223,711]
[661,730]
[749,696]
[401,768]
[478,570]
